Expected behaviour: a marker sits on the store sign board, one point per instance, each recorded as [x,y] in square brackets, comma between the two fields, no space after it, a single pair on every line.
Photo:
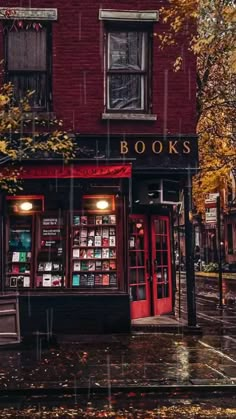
[211,198]
[211,216]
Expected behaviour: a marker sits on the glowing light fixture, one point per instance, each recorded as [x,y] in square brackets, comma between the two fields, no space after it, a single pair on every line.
[102,205]
[26,206]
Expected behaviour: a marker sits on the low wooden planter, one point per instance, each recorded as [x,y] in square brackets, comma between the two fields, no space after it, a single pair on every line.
[9,319]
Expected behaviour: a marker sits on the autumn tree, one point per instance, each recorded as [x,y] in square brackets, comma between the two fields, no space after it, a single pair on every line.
[214,43]
[23,134]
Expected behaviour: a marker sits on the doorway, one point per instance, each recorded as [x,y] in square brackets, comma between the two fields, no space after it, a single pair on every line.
[150,281]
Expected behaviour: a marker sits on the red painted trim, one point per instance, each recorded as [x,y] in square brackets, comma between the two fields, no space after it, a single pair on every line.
[76,171]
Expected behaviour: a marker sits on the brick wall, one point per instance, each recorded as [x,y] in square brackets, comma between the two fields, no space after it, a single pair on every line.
[78,77]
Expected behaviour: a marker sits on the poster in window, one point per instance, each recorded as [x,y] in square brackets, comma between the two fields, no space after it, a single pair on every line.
[20,240]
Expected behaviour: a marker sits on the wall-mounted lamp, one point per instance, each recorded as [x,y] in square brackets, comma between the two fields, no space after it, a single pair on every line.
[102,204]
[25,204]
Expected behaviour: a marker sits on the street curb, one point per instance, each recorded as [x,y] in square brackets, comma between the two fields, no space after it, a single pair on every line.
[132,391]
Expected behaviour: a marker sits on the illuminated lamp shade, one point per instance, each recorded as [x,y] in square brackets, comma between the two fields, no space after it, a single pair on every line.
[26,206]
[102,204]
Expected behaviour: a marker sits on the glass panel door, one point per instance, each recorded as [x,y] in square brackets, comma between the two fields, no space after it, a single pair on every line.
[161,265]
[139,285]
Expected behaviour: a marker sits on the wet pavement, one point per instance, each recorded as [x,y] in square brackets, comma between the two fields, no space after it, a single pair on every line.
[142,375]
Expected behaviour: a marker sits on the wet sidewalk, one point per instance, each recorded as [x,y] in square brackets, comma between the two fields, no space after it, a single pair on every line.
[130,361]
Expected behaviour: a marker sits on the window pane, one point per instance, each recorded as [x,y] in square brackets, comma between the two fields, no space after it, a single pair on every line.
[33,82]
[125,91]
[27,50]
[126,50]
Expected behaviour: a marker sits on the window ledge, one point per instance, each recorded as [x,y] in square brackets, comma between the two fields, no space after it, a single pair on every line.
[40,115]
[130,116]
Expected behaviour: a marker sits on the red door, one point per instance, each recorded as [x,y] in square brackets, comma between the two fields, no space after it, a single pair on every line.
[161,265]
[150,285]
[139,275]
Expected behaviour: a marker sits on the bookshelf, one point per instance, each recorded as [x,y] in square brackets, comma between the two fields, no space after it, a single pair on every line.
[19,267]
[93,251]
[50,251]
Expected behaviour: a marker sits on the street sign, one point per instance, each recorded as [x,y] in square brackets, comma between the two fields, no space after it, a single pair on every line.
[210,206]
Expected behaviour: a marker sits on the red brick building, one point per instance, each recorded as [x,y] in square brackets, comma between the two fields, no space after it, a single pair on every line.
[96,243]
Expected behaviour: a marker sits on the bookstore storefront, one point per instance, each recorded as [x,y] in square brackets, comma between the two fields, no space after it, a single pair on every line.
[89,246]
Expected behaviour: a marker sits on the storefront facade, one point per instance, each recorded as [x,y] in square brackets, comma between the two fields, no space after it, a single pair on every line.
[89,244]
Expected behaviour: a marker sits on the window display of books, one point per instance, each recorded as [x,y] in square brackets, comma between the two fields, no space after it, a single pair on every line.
[93,240]
[19,255]
[50,267]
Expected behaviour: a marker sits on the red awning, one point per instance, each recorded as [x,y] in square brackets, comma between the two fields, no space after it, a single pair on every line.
[76,171]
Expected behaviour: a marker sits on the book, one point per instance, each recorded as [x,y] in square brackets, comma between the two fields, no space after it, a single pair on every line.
[83,280]
[98,265]
[15,269]
[99,219]
[98,231]
[26,281]
[105,232]
[105,241]
[91,232]
[90,253]
[105,279]
[112,231]
[112,240]
[112,265]
[105,253]
[48,266]
[112,219]
[83,232]
[56,281]
[84,219]
[22,256]
[84,265]
[113,280]
[98,279]
[98,241]
[28,256]
[76,253]
[105,265]
[76,220]
[83,253]
[83,241]
[20,281]
[13,281]
[56,266]
[41,267]
[76,234]
[90,241]
[112,253]
[47,280]
[15,256]
[76,266]
[90,280]
[105,219]
[75,280]
[91,219]
[91,266]
[39,281]
[97,253]
[25,269]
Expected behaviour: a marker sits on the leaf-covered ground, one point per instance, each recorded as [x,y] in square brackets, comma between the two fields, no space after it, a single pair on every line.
[167,412]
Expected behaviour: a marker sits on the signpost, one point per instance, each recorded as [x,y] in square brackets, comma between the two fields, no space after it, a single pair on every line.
[212,216]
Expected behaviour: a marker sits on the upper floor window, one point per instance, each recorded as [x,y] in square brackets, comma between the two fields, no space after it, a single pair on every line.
[27,57]
[127,70]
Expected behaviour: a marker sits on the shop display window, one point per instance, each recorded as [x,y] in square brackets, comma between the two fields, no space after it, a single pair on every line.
[19,252]
[50,257]
[94,250]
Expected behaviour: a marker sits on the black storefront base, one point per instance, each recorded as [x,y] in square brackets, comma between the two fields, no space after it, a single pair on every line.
[74,314]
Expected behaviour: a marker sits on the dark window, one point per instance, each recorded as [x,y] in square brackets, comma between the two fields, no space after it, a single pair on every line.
[127,70]
[230,238]
[27,62]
